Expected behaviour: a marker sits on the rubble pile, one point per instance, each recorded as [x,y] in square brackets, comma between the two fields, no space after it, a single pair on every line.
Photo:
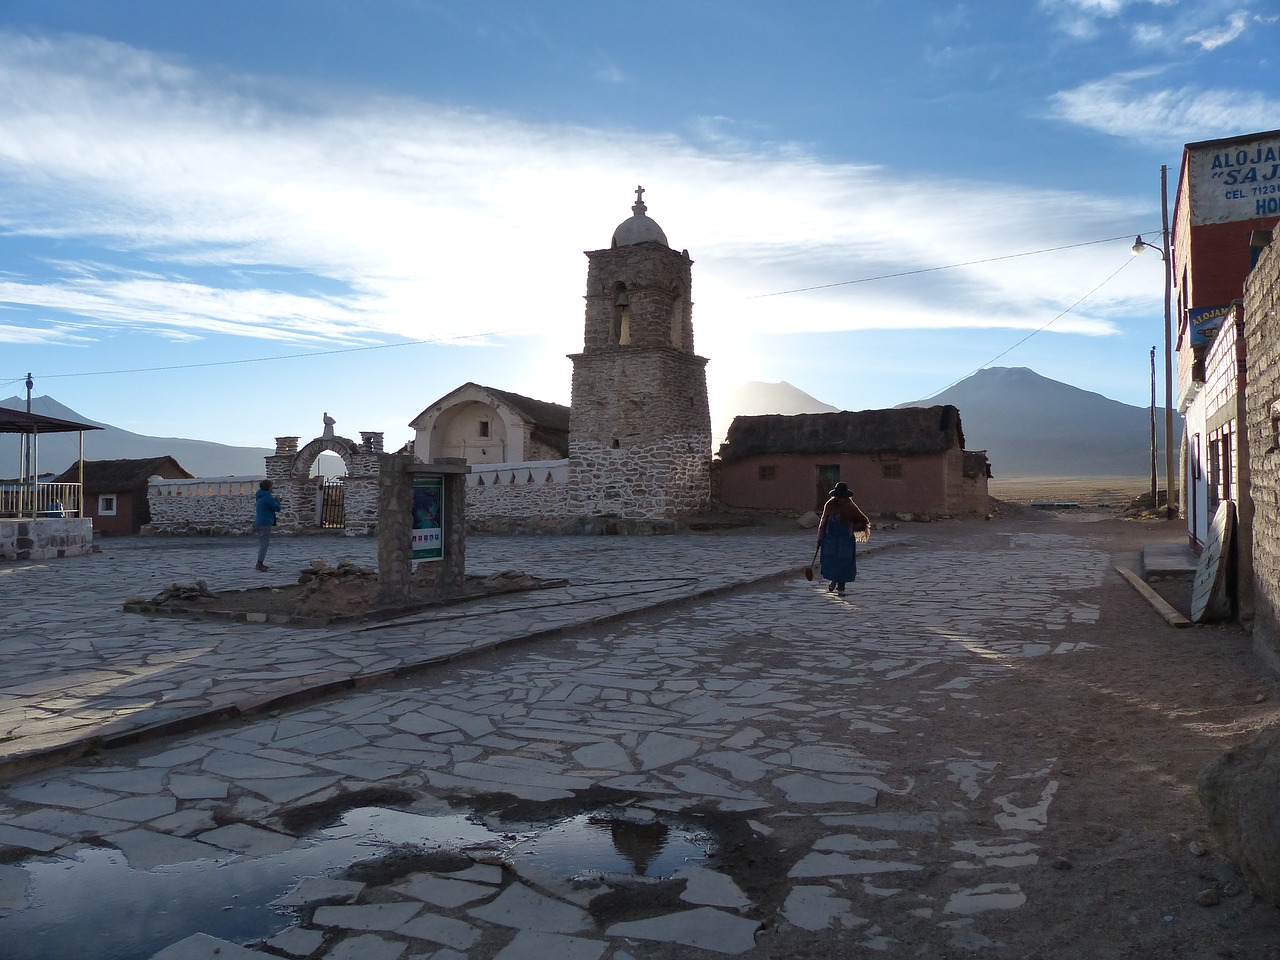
[328,590]
[183,593]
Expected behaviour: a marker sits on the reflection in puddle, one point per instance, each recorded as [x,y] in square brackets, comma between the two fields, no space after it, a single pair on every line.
[94,906]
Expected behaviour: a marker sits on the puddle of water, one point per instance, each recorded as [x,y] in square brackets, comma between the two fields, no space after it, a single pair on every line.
[94,906]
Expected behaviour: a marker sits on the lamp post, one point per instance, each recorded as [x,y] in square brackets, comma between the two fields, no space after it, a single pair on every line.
[1155,497]
[1138,246]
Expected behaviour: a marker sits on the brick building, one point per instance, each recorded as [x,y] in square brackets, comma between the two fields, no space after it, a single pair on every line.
[1228,191]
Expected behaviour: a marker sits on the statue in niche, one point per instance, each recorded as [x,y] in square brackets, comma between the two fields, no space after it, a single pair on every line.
[328,427]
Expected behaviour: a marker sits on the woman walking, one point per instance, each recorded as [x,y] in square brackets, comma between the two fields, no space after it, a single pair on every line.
[841,521]
[264,518]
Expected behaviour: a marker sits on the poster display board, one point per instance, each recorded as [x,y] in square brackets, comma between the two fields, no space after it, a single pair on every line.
[428,517]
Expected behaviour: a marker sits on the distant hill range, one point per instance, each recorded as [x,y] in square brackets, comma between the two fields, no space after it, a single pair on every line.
[58,451]
[1029,425]
[1032,426]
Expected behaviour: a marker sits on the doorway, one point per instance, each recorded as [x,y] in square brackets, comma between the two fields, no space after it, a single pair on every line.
[828,477]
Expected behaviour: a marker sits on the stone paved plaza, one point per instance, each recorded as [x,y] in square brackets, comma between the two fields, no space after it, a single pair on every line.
[799,739]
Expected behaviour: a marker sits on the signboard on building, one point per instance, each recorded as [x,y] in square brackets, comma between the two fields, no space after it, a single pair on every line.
[1204,322]
[1234,180]
[428,520]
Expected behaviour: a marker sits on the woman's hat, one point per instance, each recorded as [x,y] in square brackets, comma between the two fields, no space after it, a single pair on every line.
[841,489]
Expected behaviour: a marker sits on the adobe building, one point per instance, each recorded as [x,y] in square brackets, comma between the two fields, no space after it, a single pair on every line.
[486,425]
[115,491]
[908,460]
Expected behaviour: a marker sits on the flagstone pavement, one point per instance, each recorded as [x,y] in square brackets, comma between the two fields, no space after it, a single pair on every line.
[687,674]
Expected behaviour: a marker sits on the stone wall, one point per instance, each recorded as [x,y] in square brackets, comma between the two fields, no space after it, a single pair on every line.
[216,506]
[509,497]
[640,435]
[662,480]
[1262,415]
[45,539]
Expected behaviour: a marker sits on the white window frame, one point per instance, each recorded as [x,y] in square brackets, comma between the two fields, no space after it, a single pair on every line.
[107,504]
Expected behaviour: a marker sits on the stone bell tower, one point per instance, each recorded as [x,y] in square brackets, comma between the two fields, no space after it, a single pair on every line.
[640,423]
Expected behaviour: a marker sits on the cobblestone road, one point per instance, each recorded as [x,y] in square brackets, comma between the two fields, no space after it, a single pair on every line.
[799,738]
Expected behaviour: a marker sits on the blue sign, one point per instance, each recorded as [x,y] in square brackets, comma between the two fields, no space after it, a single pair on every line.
[1204,322]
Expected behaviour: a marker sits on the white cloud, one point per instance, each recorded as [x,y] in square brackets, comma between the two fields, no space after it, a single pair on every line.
[1219,36]
[221,206]
[1118,106]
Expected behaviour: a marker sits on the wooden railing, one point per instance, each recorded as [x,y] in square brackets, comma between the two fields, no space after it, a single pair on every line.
[48,500]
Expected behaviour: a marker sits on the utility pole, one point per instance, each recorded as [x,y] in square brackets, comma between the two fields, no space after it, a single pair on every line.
[27,439]
[1155,502]
[1168,343]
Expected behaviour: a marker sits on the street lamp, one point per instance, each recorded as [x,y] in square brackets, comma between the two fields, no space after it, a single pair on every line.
[1138,246]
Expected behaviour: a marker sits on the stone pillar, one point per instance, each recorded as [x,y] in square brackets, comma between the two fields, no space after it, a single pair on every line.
[395,553]
[370,442]
[395,527]
[452,576]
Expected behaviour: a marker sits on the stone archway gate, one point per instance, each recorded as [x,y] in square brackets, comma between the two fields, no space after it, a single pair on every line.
[289,470]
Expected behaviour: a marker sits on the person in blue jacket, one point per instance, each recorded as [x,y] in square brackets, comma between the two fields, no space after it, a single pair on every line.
[264,518]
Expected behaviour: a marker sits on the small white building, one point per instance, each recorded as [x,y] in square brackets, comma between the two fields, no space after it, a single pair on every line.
[485,425]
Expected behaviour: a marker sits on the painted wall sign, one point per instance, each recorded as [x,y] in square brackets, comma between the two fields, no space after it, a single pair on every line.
[428,517]
[1204,321]
[1237,181]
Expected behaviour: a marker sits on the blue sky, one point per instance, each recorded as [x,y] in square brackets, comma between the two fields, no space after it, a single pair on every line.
[219,220]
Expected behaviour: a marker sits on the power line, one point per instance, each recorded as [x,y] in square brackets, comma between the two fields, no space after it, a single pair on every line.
[949,266]
[290,356]
[438,340]
[1039,329]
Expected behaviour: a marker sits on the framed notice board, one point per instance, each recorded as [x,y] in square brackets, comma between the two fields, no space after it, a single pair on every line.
[428,517]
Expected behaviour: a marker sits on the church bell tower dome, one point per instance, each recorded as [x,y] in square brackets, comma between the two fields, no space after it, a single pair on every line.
[638,228]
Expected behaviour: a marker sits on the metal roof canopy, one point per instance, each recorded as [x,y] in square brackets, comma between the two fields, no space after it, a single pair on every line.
[19,421]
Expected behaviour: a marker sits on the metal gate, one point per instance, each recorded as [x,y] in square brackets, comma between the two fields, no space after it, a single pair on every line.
[333,503]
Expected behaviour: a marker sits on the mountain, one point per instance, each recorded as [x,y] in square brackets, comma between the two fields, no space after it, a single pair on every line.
[58,451]
[1032,426]
[756,398]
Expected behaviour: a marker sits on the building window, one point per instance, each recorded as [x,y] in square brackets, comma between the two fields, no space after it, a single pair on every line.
[891,471]
[768,473]
[484,428]
[106,504]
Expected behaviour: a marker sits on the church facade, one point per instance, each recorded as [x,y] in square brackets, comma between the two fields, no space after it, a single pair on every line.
[639,431]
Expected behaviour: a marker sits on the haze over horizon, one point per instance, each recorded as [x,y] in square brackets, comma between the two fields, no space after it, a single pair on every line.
[221,221]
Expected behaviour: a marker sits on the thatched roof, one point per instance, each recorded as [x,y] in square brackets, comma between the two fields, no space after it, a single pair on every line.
[904,430]
[106,476]
[552,416]
[550,420]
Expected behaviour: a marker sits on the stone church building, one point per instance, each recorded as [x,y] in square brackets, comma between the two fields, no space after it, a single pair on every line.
[639,424]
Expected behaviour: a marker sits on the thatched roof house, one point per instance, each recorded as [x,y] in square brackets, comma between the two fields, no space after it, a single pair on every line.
[901,430]
[908,460]
[115,491]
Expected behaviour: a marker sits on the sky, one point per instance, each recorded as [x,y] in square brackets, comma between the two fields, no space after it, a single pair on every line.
[222,220]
